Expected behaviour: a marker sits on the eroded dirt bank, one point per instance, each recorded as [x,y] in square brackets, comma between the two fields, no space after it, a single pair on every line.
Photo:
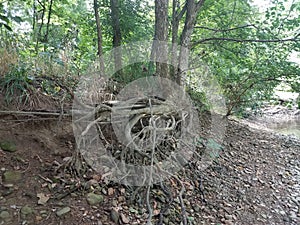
[255,180]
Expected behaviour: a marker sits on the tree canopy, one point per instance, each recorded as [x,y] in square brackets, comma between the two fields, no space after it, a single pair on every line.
[247,49]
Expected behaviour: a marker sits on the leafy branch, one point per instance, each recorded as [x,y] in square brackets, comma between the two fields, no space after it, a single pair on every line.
[294,39]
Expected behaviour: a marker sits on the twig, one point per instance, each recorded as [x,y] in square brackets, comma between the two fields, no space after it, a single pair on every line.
[35,113]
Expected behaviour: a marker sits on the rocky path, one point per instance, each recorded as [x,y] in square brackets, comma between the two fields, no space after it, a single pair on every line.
[256,180]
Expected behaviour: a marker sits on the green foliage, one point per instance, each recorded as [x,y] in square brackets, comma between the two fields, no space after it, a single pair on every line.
[247,71]
[132,72]
[199,99]
[16,84]
[4,20]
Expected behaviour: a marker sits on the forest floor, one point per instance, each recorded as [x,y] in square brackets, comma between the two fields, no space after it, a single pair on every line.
[255,180]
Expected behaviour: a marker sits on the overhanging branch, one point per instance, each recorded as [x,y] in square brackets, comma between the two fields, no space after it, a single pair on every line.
[295,39]
[225,30]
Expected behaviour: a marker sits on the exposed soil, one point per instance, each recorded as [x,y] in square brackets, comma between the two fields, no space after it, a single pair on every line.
[255,180]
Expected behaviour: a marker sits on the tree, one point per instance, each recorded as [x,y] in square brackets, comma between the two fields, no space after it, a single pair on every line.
[99,37]
[117,38]
[160,47]
[192,10]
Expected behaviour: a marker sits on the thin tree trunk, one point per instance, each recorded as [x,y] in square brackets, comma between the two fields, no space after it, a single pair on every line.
[177,15]
[48,21]
[34,17]
[192,10]
[99,37]
[117,38]
[39,33]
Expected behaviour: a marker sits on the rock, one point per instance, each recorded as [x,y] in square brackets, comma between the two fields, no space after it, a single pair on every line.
[8,146]
[104,191]
[11,177]
[94,199]
[124,219]
[228,217]
[114,215]
[4,215]
[63,211]
[228,222]
[196,208]
[166,220]
[26,210]
[115,203]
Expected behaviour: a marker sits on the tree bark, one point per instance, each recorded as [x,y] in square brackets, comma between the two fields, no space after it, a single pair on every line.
[192,10]
[177,14]
[99,37]
[117,38]
[48,21]
[160,46]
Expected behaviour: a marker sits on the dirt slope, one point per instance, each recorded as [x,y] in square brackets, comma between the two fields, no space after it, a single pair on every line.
[255,180]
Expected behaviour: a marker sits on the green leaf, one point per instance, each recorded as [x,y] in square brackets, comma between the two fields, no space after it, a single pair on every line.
[4,18]
[6,26]
[17,19]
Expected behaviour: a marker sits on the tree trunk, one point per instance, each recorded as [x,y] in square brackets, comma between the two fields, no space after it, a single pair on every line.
[99,36]
[177,15]
[160,46]
[192,10]
[48,21]
[117,38]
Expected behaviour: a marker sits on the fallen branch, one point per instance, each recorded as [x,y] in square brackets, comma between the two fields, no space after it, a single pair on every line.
[29,113]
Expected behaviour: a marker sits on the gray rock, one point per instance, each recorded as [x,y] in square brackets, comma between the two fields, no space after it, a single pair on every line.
[196,208]
[228,217]
[94,199]
[4,215]
[114,215]
[63,211]
[124,219]
[26,210]
[11,177]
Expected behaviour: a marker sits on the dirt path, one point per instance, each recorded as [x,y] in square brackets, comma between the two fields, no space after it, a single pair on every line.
[256,180]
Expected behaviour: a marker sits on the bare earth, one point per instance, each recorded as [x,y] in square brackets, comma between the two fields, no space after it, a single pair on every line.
[255,180]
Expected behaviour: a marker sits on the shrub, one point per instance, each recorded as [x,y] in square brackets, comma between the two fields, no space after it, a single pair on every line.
[8,59]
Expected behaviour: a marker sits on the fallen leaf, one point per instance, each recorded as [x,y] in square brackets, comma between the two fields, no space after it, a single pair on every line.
[110,191]
[42,198]
[156,212]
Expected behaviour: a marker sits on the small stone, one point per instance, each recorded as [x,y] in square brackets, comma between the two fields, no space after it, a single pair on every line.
[115,203]
[63,211]
[196,208]
[293,215]
[26,210]
[94,199]
[228,217]
[38,218]
[4,215]
[114,215]
[124,219]
[282,213]
[166,220]
[11,177]
[228,222]
[8,146]
[104,191]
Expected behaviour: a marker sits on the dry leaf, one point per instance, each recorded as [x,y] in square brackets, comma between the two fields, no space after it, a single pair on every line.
[156,212]
[110,191]
[42,198]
